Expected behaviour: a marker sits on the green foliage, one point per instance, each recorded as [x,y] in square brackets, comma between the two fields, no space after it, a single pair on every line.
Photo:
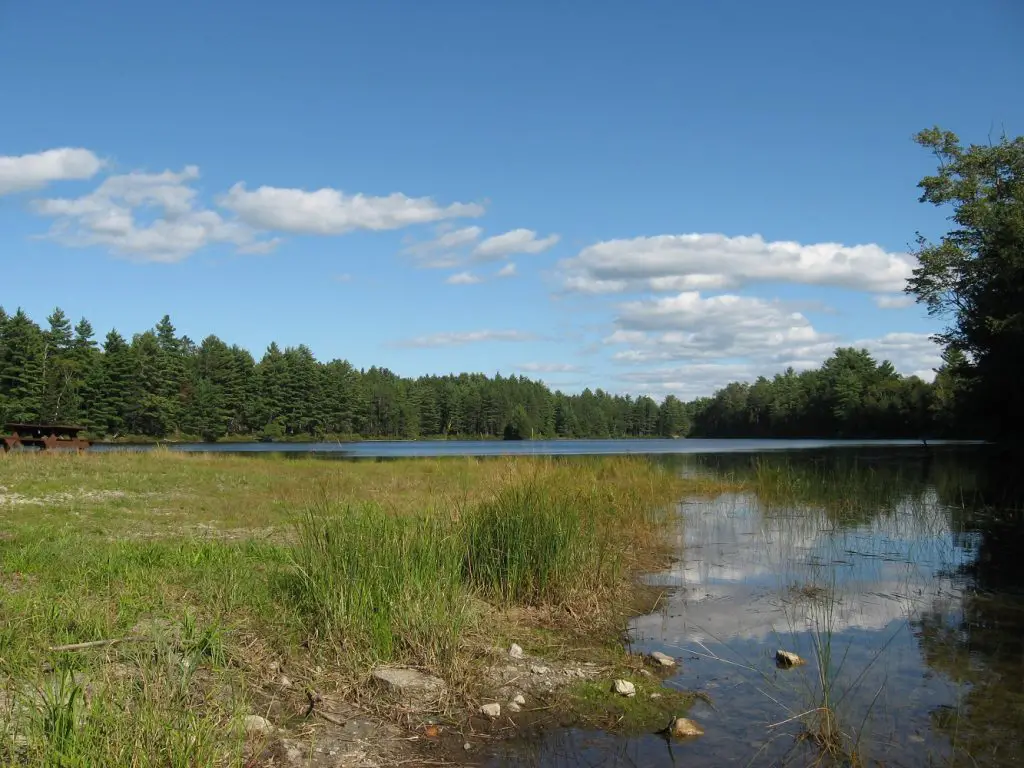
[850,396]
[974,275]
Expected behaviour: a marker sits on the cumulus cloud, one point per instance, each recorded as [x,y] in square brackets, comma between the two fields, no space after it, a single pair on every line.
[464,278]
[689,326]
[549,368]
[174,225]
[459,338]
[446,249]
[898,301]
[331,212]
[714,261]
[514,241]
[22,172]
[509,270]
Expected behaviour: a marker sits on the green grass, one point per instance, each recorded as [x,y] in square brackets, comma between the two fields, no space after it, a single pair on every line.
[211,567]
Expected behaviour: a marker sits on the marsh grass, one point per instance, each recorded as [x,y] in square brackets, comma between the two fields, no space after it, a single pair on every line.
[212,566]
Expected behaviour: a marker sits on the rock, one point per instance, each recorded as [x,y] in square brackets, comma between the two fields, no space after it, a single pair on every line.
[256,725]
[516,652]
[662,659]
[513,707]
[624,688]
[284,681]
[786,659]
[520,700]
[655,695]
[684,728]
[410,684]
[537,669]
[467,746]
[492,711]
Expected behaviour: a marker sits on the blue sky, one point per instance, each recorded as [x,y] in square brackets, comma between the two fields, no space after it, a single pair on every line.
[648,197]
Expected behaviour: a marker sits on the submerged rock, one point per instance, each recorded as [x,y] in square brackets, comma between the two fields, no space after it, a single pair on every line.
[520,700]
[662,659]
[684,728]
[513,707]
[492,711]
[787,659]
[624,688]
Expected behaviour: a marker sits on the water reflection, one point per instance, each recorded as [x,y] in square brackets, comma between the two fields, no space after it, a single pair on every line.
[899,575]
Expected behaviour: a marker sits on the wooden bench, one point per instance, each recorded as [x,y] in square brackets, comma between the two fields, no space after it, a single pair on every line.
[46,437]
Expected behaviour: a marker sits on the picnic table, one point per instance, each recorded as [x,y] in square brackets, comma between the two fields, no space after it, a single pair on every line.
[47,437]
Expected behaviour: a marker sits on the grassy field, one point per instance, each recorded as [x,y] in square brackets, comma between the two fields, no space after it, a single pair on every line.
[200,577]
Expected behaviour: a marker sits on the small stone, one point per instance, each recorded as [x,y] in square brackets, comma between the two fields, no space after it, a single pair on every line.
[663,659]
[409,683]
[284,681]
[655,695]
[516,652]
[492,711]
[787,659]
[537,669]
[256,725]
[624,688]
[684,728]
[513,707]
[467,746]
[520,700]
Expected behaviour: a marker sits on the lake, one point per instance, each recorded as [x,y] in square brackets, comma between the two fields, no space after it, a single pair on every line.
[413,448]
[897,575]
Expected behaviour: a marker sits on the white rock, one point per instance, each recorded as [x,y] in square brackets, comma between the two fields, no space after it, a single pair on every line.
[520,700]
[284,681]
[624,688]
[537,669]
[663,659]
[655,695]
[684,728]
[256,725]
[491,710]
[787,659]
[516,652]
[409,683]
[467,746]
[513,707]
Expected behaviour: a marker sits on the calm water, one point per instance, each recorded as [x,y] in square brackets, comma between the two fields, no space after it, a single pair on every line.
[908,566]
[410,448]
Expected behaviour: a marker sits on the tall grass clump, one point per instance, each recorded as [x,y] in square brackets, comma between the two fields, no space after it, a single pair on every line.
[380,586]
[533,545]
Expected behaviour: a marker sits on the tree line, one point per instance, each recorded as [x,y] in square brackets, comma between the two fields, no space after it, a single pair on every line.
[162,385]
[159,384]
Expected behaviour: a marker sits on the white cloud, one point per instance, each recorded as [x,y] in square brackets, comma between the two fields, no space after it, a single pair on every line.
[458,338]
[549,368]
[445,250]
[514,241]
[714,261]
[911,354]
[899,301]
[688,326]
[22,172]
[175,225]
[464,278]
[509,270]
[331,212]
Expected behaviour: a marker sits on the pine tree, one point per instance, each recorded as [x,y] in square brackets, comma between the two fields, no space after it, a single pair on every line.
[21,368]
